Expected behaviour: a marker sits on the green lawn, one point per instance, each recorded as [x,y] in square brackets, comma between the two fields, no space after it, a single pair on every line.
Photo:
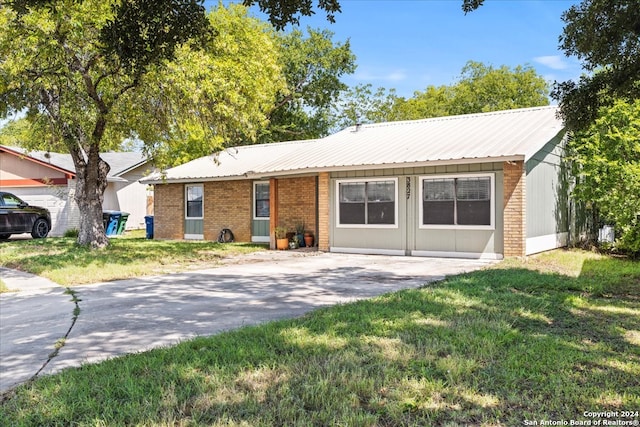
[66,263]
[541,339]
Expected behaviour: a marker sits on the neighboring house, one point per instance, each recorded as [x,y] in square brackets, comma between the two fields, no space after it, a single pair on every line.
[482,185]
[49,179]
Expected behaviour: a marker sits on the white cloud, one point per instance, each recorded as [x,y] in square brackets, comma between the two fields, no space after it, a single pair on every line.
[393,76]
[396,76]
[555,62]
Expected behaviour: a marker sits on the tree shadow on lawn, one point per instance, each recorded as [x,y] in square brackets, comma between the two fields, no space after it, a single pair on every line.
[49,255]
[498,346]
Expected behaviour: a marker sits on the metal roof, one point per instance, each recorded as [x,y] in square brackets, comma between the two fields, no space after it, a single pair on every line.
[502,135]
[230,163]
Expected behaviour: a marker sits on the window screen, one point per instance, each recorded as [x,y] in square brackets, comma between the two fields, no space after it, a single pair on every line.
[367,202]
[194,201]
[381,206]
[474,201]
[438,201]
[261,199]
[352,203]
[456,201]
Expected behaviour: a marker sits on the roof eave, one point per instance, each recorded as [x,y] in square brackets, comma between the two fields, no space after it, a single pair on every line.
[307,171]
[509,158]
[130,168]
[70,174]
[186,180]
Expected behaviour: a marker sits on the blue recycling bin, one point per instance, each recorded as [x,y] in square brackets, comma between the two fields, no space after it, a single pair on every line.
[110,220]
[148,221]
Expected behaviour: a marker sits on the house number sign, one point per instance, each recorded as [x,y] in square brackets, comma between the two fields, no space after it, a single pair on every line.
[408,188]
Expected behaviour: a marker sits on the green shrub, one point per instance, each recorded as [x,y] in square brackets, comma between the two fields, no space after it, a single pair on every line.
[72,232]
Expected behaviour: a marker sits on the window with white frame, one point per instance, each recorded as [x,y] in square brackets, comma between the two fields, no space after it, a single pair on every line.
[194,201]
[465,201]
[261,206]
[367,202]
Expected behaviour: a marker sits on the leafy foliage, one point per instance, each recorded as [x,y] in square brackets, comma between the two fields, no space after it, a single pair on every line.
[96,72]
[605,35]
[361,104]
[480,88]
[213,97]
[18,132]
[434,101]
[471,5]
[484,88]
[63,63]
[283,12]
[93,73]
[607,162]
[313,66]
[143,32]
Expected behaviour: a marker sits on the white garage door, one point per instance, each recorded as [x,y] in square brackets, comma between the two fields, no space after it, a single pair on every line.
[63,214]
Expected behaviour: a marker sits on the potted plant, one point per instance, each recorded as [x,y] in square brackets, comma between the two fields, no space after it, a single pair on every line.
[282,242]
[308,238]
[299,237]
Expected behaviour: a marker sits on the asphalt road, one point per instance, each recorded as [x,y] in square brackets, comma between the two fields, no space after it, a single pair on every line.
[135,315]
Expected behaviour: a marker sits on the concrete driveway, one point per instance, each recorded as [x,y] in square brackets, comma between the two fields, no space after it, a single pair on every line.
[129,316]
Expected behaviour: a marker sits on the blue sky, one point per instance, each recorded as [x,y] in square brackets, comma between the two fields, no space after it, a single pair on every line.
[411,44]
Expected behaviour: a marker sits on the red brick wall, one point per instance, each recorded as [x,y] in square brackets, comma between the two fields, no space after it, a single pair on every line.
[168,206]
[227,204]
[514,209]
[297,202]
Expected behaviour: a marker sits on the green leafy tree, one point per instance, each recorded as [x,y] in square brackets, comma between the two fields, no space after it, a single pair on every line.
[283,12]
[483,88]
[313,66]
[18,132]
[363,104]
[605,36]
[471,5]
[210,98]
[606,157]
[432,102]
[96,72]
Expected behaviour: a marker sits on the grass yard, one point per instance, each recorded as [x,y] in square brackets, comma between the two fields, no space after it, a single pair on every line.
[543,339]
[66,263]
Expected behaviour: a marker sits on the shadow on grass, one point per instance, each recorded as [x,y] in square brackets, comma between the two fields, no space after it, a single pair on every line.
[498,346]
[48,255]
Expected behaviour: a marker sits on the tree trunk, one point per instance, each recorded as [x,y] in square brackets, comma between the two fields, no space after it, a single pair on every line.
[91,173]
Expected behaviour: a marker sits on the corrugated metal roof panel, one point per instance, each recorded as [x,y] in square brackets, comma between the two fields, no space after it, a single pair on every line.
[477,136]
[230,163]
[504,134]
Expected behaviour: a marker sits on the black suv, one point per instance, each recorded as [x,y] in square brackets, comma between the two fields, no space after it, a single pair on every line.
[17,216]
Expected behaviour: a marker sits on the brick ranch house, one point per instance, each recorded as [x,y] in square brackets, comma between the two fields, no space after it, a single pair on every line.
[487,185]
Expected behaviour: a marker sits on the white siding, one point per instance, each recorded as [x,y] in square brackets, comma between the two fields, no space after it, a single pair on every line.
[547,199]
[58,199]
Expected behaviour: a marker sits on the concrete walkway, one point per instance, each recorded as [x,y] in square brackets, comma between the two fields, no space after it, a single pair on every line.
[136,315]
[17,281]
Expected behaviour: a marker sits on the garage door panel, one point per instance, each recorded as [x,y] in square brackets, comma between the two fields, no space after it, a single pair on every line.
[52,198]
